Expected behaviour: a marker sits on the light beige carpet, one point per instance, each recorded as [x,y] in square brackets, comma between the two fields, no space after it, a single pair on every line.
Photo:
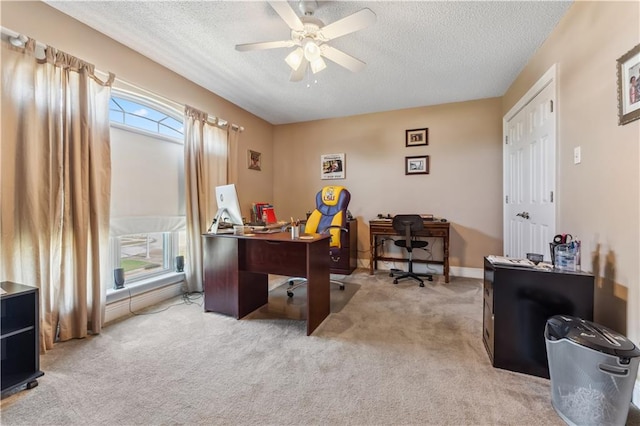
[387,355]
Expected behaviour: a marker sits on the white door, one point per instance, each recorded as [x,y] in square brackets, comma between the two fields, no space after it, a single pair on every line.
[529,176]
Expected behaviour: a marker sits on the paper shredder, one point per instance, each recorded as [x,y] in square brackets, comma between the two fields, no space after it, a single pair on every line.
[592,370]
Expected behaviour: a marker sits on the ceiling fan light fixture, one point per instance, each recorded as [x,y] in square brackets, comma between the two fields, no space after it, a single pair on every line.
[311,50]
[318,65]
[310,38]
[294,59]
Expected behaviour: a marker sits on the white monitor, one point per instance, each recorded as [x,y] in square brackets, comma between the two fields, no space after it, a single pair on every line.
[229,213]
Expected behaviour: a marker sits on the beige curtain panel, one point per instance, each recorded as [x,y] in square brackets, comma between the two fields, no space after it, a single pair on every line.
[206,155]
[55,184]
[233,141]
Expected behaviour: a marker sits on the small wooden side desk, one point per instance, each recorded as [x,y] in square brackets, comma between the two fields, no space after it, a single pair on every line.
[432,228]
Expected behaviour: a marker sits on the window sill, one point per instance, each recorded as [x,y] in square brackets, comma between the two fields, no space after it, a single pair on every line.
[143,286]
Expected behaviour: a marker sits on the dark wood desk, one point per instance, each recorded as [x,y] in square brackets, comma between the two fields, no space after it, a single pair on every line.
[432,228]
[517,303]
[236,272]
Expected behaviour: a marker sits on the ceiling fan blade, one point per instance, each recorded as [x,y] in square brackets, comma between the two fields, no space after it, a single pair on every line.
[341,58]
[352,23]
[264,45]
[287,14]
[298,74]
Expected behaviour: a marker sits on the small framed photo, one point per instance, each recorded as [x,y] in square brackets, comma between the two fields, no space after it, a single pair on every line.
[416,165]
[254,159]
[332,166]
[629,86]
[417,137]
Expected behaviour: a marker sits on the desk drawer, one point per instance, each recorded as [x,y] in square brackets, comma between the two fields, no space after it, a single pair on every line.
[273,257]
[488,294]
[433,233]
[380,229]
[488,330]
[341,262]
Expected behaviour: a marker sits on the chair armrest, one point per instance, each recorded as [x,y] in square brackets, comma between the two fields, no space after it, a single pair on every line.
[342,228]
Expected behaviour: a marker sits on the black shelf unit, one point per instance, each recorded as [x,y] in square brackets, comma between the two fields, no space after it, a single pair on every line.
[19,337]
[517,303]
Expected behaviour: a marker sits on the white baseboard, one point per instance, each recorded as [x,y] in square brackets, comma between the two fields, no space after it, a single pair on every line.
[121,308]
[462,271]
[457,271]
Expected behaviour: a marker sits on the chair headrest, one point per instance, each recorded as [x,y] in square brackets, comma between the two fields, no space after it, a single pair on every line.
[401,221]
[332,199]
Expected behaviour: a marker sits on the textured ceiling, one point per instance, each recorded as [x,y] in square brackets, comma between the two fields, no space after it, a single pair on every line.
[418,53]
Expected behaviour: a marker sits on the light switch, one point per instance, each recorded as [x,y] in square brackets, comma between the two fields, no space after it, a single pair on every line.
[577,155]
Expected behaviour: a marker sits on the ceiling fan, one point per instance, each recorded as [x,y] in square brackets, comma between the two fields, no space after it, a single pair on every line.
[310,37]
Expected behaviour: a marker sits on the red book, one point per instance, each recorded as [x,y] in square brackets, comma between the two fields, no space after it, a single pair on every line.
[271,214]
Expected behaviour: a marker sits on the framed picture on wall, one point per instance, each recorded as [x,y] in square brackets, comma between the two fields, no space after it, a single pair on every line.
[416,165]
[332,166]
[629,86]
[254,159]
[416,137]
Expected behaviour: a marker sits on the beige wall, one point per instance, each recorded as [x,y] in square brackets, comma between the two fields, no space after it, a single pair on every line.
[599,199]
[49,26]
[464,184]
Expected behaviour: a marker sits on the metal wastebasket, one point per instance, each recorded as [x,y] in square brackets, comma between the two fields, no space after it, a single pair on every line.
[592,370]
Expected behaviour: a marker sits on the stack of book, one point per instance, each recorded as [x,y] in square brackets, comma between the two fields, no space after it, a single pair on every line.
[263,213]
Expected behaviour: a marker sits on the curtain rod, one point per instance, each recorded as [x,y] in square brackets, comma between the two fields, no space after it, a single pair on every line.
[216,121]
[20,40]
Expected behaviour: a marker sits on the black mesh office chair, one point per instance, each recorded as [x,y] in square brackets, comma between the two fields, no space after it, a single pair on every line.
[407,225]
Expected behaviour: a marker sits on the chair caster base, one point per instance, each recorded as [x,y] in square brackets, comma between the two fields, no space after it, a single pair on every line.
[290,293]
[429,278]
[421,284]
[395,281]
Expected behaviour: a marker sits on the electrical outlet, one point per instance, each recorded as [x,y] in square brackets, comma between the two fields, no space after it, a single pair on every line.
[577,155]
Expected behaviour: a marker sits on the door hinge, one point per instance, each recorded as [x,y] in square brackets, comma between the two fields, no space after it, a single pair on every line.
[552,196]
[506,140]
[506,199]
[551,102]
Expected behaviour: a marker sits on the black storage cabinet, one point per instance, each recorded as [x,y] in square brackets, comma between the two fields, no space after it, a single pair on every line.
[517,303]
[19,324]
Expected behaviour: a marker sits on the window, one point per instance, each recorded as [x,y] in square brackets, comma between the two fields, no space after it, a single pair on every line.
[147,194]
[148,254]
[136,115]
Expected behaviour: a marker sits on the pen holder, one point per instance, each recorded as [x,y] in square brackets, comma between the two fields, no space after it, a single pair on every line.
[295,232]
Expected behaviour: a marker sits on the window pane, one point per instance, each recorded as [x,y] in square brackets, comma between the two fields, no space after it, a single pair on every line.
[142,255]
[141,123]
[169,131]
[116,116]
[173,123]
[182,243]
[144,117]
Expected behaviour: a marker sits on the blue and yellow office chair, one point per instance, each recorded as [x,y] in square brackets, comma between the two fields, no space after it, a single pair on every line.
[329,216]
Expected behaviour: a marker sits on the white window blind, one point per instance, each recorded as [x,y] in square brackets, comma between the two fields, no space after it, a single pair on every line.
[147,184]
